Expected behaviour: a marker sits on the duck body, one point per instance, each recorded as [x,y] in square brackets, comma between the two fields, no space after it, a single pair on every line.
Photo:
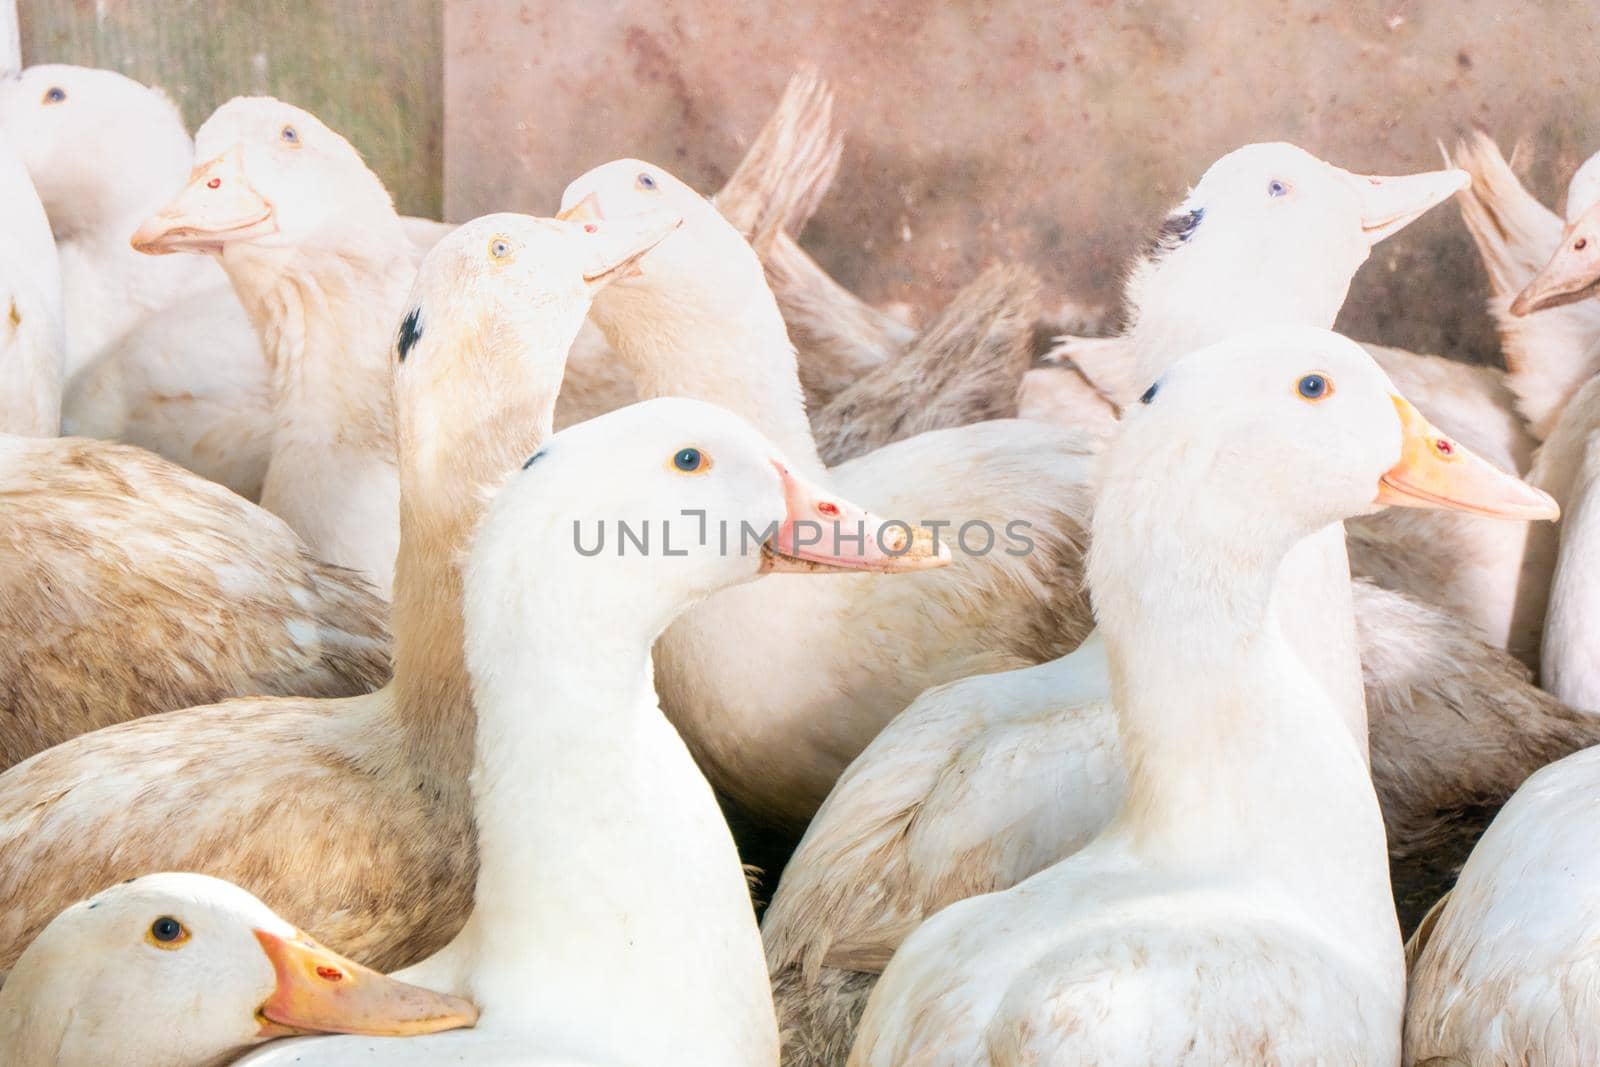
[147,389]
[974,788]
[96,809]
[197,596]
[1043,986]
[1504,973]
[983,783]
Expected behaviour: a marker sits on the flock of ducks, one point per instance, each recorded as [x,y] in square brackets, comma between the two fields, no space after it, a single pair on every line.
[1228,643]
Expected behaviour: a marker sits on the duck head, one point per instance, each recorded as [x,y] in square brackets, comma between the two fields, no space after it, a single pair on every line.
[720,502]
[185,969]
[1573,272]
[1270,234]
[270,178]
[101,148]
[1279,431]
[706,266]
[492,314]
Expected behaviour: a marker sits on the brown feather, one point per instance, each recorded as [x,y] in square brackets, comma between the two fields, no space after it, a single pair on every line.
[129,586]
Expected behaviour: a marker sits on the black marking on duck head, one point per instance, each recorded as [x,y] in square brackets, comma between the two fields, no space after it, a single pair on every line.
[533,459]
[1176,230]
[410,333]
[1150,393]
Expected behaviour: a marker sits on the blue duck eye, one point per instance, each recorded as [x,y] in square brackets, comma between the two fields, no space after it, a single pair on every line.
[54,95]
[291,135]
[1314,387]
[688,460]
[1277,188]
[646,181]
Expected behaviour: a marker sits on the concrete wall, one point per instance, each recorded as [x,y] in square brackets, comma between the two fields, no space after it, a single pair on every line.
[370,69]
[1052,133]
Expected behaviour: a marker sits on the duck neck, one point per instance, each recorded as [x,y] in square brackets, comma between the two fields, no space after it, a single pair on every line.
[1190,298]
[326,317]
[1239,765]
[470,408]
[729,348]
[565,729]
[576,760]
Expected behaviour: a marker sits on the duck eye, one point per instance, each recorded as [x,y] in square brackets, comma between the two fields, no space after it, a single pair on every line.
[290,134]
[647,181]
[1314,387]
[500,248]
[167,932]
[54,95]
[691,460]
[1580,244]
[1149,394]
[1277,187]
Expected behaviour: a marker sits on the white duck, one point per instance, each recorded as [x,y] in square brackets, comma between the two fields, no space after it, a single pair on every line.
[1550,334]
[778,686]
[579,956]
[321,262]
[183,970]
[363,805]
[1503,970]
[982,783]
[129,586]
[1236,908]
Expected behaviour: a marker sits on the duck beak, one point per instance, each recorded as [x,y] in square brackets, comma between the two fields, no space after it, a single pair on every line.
[613,247]
[1436,472]
[217,206]
[319,991]
[585,210]
[822,533]
[1389,204]
[1572,273]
